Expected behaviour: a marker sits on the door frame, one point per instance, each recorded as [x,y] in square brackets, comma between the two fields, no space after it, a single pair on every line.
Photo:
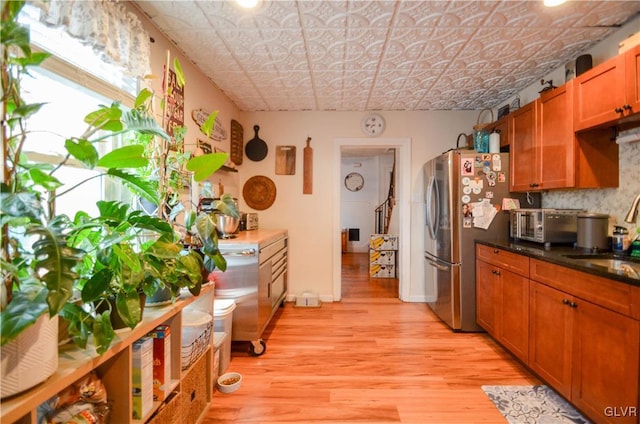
[403,198]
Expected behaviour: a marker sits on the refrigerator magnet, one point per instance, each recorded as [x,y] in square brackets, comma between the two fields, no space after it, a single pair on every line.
[466,199]
[497,163]
[502,177]
[489,194]
[467,166]
[467,222]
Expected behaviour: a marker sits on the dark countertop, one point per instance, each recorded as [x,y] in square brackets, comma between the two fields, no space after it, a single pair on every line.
[557,255]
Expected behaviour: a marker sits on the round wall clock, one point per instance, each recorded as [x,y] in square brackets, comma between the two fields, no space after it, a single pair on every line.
[373,124]
[354,181]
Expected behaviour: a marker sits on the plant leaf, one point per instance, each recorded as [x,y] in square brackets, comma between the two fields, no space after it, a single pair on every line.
[80,323]
[128,306]
[103,333]
[205,165]
[144,123]
[54,261]
[21,204]
[179,73]
[131,156]
[106,118]
[83,150]
[139,185]
[44,179]
[23,310]
[207,126]
[97,285]
[144,95]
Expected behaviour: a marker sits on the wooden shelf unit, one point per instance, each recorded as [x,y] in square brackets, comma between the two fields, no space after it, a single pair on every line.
[114,366]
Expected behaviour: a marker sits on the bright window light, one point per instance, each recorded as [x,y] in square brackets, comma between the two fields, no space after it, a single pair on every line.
[247,4]
[553,3]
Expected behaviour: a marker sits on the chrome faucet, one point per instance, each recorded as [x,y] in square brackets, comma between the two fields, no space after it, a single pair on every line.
[633,212]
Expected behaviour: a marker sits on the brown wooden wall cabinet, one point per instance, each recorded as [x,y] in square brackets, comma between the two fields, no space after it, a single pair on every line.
[583,331]
[547,154]
[609,93]
[194,385]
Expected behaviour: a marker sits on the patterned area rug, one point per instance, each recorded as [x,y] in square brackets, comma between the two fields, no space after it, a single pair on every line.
[533,405]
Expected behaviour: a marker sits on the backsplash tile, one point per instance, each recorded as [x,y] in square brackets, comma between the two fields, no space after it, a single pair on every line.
[613,201]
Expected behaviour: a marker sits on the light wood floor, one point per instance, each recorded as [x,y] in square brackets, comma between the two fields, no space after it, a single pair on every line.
[366,359]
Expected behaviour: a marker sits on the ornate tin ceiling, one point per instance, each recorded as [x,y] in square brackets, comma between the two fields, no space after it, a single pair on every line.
[382,55]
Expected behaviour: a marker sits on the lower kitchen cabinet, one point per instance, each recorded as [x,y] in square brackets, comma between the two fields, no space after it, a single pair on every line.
[578,332]
[605,360]
[589,354]
[585,340]
[502,293]
[550,337]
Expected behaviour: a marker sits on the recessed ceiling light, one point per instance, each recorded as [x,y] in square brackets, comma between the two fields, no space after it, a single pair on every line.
[553,3]
[247,4]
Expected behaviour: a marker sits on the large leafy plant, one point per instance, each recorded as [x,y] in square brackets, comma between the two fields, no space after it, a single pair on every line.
[45,256]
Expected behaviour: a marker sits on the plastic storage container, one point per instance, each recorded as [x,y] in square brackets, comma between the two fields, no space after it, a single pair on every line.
[196,335]
[218,340]
[223,322]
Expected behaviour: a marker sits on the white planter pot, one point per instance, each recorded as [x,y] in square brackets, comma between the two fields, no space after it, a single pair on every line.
[31,358]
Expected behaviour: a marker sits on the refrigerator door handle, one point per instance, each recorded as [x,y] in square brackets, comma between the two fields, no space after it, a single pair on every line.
[435,262]
[432,196]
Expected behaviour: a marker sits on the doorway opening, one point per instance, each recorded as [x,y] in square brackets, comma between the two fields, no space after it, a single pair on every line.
[369,172]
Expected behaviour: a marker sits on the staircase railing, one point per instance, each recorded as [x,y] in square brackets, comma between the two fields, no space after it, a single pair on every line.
[383,216]
[384,210]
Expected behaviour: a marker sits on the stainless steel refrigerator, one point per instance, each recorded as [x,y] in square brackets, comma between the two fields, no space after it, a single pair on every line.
[464,194]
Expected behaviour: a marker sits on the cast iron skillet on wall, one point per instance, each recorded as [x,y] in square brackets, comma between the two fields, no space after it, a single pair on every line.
[256,149]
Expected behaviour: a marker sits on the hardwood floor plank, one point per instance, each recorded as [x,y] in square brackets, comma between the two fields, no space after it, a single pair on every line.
[367,360]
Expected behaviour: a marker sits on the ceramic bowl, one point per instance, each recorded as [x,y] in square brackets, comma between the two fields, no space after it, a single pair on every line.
[229,382]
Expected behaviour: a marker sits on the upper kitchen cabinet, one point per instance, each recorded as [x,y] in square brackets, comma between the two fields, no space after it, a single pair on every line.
[547,154]
[542,143]
[524,157]
[608,93]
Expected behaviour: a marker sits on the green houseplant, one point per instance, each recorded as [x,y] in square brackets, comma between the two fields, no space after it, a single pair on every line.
[45,256]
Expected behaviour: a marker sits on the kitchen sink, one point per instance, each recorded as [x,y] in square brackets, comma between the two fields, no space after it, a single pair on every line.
[619,265]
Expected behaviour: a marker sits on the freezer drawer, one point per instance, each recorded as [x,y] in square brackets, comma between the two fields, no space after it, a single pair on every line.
[258,289]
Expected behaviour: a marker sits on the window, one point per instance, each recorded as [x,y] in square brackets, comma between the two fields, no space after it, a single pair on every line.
[72,83]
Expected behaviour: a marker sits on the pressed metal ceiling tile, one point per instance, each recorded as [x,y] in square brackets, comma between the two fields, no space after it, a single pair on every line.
[389,54]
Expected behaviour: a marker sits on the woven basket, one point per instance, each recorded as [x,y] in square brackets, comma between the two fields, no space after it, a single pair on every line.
[170,412]
[479,125]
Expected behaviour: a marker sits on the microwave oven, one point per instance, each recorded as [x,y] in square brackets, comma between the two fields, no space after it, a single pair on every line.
[544,225]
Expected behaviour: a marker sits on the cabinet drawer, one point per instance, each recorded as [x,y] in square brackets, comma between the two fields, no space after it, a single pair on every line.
[513,262]
[619,297]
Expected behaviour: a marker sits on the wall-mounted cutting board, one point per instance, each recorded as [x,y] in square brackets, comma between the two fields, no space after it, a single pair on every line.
[237,139]
[307,168]
[285,160]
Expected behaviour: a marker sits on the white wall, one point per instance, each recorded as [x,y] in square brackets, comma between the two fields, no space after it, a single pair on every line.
[309,218]
[357,208]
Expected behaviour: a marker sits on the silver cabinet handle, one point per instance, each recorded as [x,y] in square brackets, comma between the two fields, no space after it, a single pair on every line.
[245,252]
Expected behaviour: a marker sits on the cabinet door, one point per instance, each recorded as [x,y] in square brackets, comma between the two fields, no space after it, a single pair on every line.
[524,149]
[486,297]
[550,330]
[632,73]
[606,348]
[514,319]
[598,93]
[556,138]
